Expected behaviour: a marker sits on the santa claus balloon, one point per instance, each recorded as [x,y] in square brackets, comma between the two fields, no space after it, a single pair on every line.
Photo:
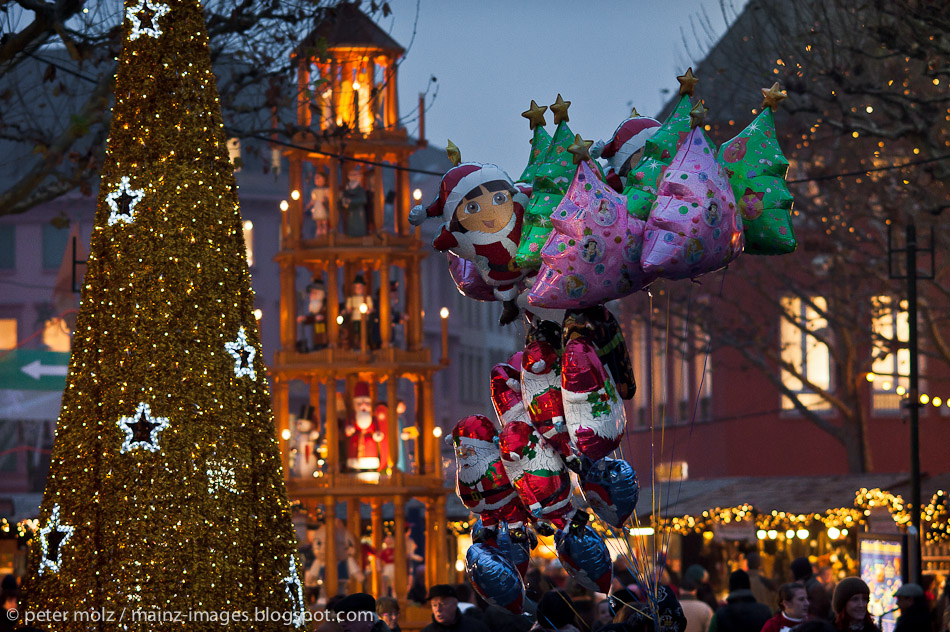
[482,484]
[481,212]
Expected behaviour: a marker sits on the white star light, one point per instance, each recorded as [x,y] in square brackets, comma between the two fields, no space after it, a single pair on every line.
[133,196]
[238,349]
[295,592]
[151,425]
[158,8]
[51,526]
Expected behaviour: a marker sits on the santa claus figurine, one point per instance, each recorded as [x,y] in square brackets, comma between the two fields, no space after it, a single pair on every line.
[366,443]
[481,212]
[481,482]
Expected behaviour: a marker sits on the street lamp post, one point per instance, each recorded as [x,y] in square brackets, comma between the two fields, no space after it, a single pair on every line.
[911,274]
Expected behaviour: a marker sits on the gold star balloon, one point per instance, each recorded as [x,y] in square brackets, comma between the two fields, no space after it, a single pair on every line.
[454,154]
[773,96]
[535,114]
[634,113]
[560,110]
[687,82]
[580,149]
[697,116]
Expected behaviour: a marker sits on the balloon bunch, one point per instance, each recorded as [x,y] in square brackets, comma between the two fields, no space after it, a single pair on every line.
[558,409]
[556,247]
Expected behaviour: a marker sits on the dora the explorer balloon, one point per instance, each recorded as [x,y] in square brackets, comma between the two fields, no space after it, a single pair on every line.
[481,212]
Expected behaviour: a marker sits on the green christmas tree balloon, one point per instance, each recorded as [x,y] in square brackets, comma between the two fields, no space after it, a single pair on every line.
[658,152]
[540,141]
[554,173]
[757,168]
[165,493]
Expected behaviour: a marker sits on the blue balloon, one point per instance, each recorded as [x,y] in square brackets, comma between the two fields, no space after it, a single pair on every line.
[494,577]
[517,549]
[611,489]
[583,554]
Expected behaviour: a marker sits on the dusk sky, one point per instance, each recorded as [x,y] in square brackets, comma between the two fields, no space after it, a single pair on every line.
[492,57]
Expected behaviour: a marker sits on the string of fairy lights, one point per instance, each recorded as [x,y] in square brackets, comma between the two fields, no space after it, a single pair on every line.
[837,522]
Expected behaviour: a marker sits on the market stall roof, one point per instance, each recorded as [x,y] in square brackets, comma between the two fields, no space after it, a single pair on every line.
[791,494]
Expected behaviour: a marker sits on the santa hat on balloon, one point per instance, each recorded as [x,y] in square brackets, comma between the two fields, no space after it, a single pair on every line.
[474,429]
[627,140]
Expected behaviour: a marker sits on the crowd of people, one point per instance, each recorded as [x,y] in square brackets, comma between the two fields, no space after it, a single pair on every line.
[753,604]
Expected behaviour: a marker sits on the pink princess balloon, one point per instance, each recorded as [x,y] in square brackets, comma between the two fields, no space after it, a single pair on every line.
[694,227]
[593,253]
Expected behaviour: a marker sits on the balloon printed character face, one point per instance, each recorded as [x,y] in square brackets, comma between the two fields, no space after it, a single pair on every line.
[487,208]
[712,216]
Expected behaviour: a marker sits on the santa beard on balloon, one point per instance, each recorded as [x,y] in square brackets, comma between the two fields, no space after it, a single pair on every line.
[481,212]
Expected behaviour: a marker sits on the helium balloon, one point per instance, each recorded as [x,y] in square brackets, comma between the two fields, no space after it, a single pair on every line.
[598,325]
[494,577]
[593,410]
[694,226]
[541,387]
[537,472]
[583,554]
[481,482]
[611,489]
[468,279]
[593,252]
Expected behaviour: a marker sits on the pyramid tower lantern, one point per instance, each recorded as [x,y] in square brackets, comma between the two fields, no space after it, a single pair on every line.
[359,440]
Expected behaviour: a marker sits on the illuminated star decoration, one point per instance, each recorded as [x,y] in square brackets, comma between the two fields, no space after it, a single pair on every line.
[295,591]
[52,537]
[145,12]
[535,114]
[243,354]
[141,430]
[687,82]
[123,201]
[773,96]
[559,107]
[697,116]
[580,149]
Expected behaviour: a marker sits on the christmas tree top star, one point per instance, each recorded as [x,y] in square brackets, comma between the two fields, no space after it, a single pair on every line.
[697,116]
[535,114]
[687,82]
[580,149]
[559,107]
[773,96]
[144,17]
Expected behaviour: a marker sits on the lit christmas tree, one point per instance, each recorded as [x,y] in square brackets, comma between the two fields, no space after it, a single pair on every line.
[165,492]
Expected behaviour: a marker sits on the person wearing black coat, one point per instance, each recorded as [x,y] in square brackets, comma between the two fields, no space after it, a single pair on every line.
[915,614]
[742,613]
[446,616]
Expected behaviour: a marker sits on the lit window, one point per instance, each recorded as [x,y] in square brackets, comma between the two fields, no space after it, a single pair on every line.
[249,241]
[802,348]
[890,325]
[56,335]
[234,153]
[7,333]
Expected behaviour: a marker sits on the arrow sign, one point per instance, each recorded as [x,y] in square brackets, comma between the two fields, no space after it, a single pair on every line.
[30,369]
[37,369]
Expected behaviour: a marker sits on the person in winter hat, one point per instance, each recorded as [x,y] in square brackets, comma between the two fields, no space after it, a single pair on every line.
[556,613]
[742,613]
[850,603]
[481,212]
[623,148]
